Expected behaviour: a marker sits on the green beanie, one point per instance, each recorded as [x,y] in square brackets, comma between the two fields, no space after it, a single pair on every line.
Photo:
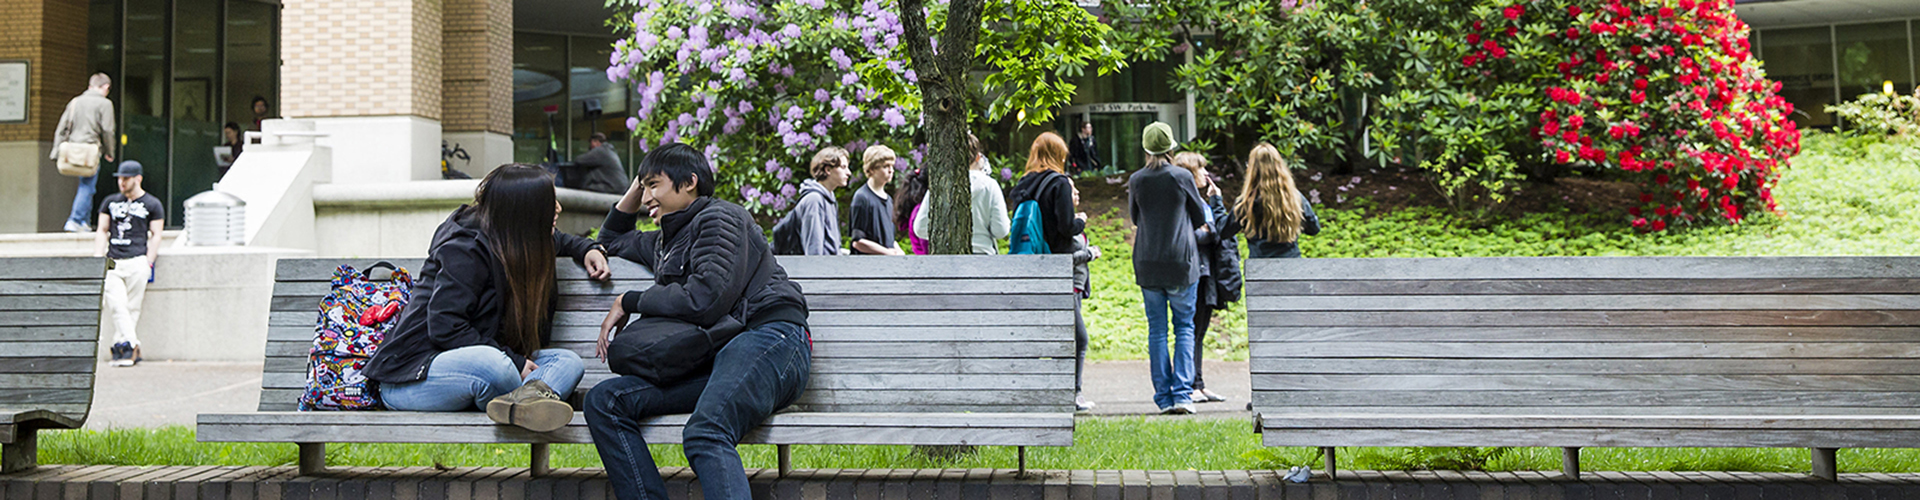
[1157,139]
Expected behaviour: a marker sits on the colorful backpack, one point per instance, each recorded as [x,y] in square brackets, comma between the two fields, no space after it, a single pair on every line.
[354,318]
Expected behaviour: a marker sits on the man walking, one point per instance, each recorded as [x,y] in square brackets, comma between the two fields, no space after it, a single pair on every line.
[88,121]
[819,214]
[599,168]
[129,236]
[872,218]
[712,270]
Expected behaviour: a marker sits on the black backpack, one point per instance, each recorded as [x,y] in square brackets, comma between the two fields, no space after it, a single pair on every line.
[786,232]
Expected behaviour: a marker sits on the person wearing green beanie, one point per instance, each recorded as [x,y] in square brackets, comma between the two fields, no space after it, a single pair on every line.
[1165,209]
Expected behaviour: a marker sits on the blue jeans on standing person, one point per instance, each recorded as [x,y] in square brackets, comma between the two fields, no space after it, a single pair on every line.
[1172,379]
[759,372]
[83,203]
[466,378]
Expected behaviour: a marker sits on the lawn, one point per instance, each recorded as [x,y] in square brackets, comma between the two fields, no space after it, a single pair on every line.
[1150,443]
[1841,197]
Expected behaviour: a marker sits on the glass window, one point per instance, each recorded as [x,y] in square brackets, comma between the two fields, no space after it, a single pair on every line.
[196,80]
[252,70]
[588,88]
[539,96]
[1871,55]
[1801,59]
[103,56]
[143,93]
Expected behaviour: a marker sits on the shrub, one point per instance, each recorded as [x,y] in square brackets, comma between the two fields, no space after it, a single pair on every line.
[1882,114]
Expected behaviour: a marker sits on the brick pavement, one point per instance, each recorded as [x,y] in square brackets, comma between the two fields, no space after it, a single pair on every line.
[100,482]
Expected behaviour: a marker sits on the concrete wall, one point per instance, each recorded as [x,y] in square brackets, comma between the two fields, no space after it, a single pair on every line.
[205,304]
[398,219]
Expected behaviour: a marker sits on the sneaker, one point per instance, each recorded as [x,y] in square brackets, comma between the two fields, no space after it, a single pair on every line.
[78,227]
[122,354]
[1178,409]
[1298,475]
[1206,396]
[533,406]
[1081,405]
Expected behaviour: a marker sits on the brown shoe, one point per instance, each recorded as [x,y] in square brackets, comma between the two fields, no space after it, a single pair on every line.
[533,406]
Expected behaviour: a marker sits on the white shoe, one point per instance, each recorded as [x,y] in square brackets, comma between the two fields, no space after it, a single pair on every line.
[75,227]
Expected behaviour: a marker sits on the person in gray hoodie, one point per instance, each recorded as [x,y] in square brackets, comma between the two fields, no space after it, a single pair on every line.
[817,211]
[1166,209]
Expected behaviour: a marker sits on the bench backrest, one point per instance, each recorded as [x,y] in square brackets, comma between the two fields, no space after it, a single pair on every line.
[890,334]
[1649,335]
[49,333]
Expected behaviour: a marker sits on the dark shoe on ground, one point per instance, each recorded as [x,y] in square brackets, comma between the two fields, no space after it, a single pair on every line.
[533,406]
[1206,396]
[122,354]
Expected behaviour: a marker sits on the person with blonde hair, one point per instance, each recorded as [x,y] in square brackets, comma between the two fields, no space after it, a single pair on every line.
[871,222]
[1270,210]
[1219,285]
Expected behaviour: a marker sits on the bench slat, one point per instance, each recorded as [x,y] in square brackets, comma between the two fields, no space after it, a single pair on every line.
[43,397]
[837,334]
[50,318]
[1526,421]
[1588,318]
[1718,334]
[797,267]
[1599,286]
[10,286]
[1264,399]
[53,268]
[819,382]
[816,319]
[825,349]
[812,287]
[82,333]
[47,349]
[1664,382]
[47,380]
[50,302]
[904,434]
[1603,366]
[1587,411]
[45,365]
[1662,438]
[1583,268]
[1581,350]
[1659,302]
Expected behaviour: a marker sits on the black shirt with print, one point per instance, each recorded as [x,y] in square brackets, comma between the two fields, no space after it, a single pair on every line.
[127,234]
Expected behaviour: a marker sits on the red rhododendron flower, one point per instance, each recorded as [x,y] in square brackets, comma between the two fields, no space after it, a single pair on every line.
[1666,12]
[1473,38]
[1660,179]
[1639,84]
[1513,31]
[1576,121]
[1573,10]
[1512,12]
[1659,225]
[1633,211]
[1646,197]
[1640,223]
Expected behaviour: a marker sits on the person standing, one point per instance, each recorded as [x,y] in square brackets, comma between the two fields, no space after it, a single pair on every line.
[909,206]
[259,111]
[1083,254]
[478,333]
[1046,183]
[872,220]
[711,266]
[1219,285]
[87,124]
[817,211]
[990,222]
[1271,210]
[1166,209]
[1082,155]
[599,168]
[129,236]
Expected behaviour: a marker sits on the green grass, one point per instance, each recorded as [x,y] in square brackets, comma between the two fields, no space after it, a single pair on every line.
[1841,197]
[1099,443]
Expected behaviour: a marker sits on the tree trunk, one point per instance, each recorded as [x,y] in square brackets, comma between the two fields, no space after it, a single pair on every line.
[945,100]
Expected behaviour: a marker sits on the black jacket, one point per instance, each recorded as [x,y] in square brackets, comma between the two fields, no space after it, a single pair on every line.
[1263,249]
[1165,209]
[1220,280]
[1055,194]
[456,302]
[709,262]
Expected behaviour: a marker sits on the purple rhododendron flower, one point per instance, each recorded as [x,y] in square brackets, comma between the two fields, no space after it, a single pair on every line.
[787,190]
[913,77]
[849,78]
[746,191]
[820,129]
[783,174]
[893,118]
[766,199]
[795,113]
[704,8]
[673,32]
[820,95]
[633,123]
[850,114]
[773,165]
[1006,174]
[791,31]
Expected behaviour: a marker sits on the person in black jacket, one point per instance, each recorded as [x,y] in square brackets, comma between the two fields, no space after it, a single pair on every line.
[711,265]
[480,321]
[1219,285]
[1046,182]
[1084,155]
[1270,209]
[1166,209]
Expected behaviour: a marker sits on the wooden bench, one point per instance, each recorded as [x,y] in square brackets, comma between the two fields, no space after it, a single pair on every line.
[1791,352]
[924,350]
[49,337]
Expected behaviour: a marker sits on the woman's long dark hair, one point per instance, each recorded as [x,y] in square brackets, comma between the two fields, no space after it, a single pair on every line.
[913,190]
[514,208]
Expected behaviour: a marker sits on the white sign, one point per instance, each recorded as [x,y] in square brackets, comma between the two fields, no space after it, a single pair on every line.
[13,91]
[1126,107]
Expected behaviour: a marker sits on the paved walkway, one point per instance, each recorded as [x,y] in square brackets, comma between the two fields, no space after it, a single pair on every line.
[492,483]
[159,393]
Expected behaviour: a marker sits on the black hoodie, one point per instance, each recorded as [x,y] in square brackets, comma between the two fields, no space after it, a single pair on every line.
[709,262]
[1055,194]
[456,302]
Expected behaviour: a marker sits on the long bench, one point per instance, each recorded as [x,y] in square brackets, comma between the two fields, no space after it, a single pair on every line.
[924,350]
[1789,352]
[49,335]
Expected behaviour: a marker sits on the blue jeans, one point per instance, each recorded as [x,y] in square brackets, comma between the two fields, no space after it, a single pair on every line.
[83,202]
[466,378]
[758,373]
[1172,379]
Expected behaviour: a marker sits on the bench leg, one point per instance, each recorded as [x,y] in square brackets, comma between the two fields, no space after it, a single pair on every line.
[1327,452]
[786,459]
[1824,464]
[1023,460]
[540,453]
[313,458]
[1570,462]
[22,454]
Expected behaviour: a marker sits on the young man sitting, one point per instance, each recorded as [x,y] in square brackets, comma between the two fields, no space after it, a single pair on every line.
[712,270]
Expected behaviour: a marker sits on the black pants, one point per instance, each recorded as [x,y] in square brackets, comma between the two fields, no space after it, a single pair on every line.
[1202,317]
[1079,344]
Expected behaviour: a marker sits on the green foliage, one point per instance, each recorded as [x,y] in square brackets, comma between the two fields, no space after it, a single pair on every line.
[1426,458]
[1880,114]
